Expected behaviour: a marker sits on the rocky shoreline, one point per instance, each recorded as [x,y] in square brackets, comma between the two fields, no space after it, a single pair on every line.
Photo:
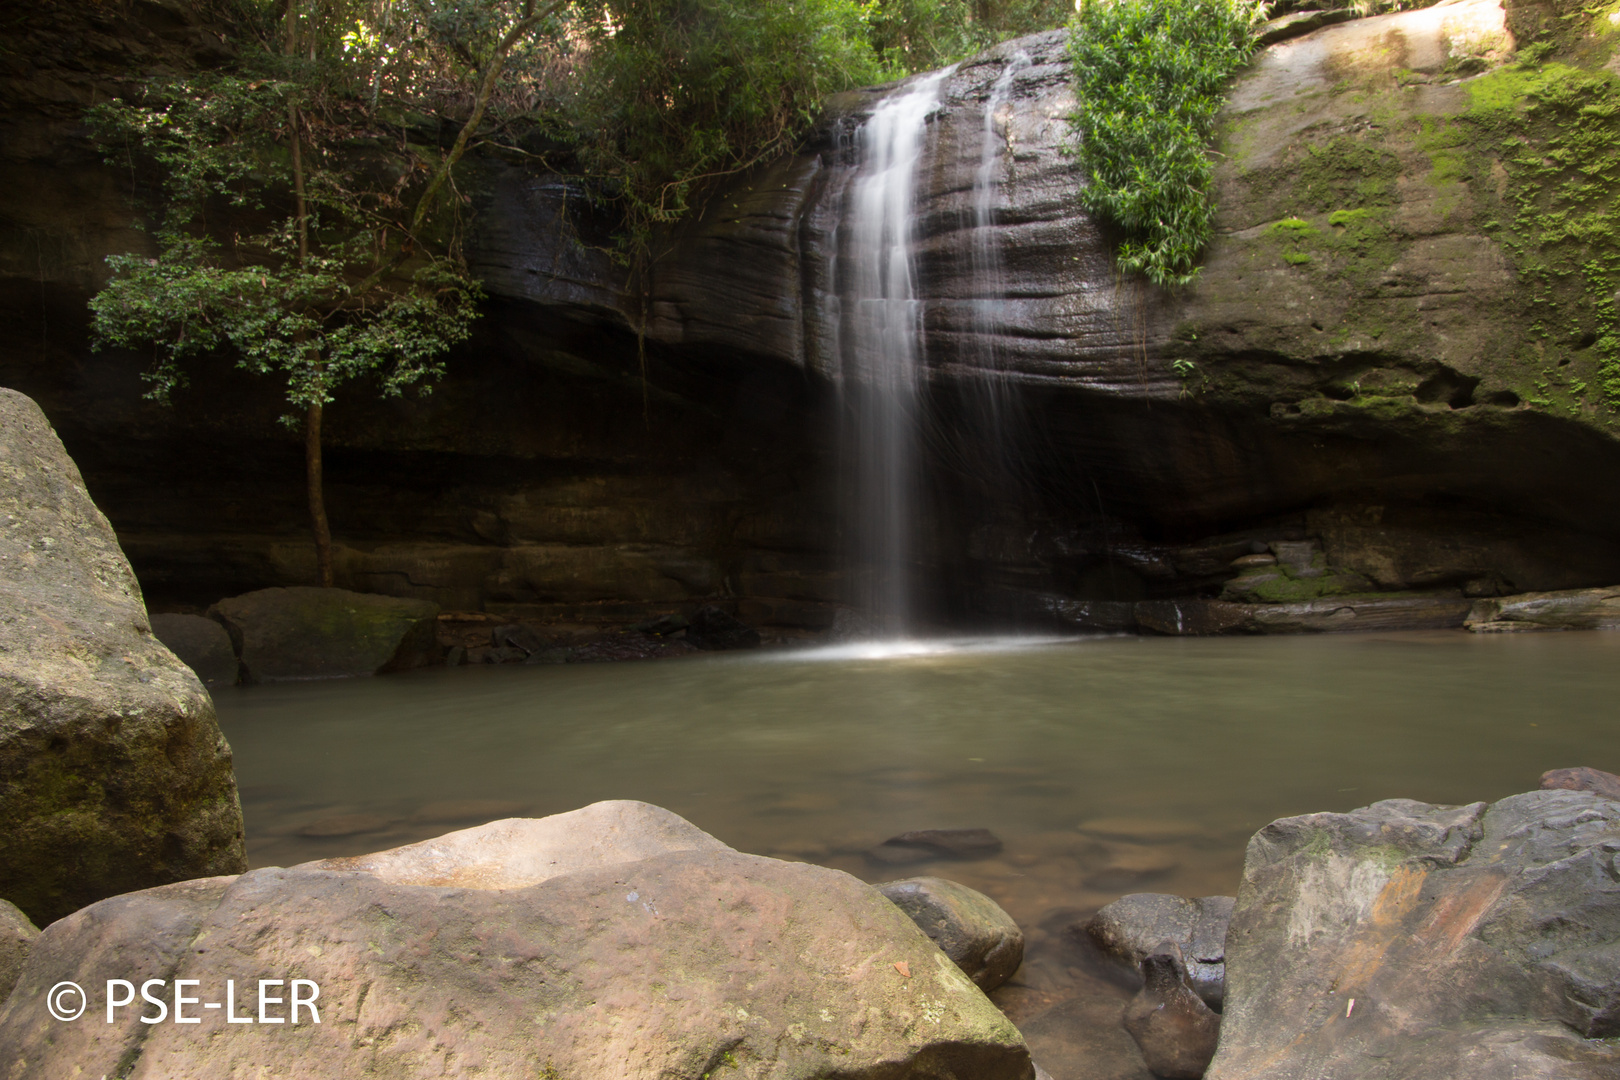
[1397,940]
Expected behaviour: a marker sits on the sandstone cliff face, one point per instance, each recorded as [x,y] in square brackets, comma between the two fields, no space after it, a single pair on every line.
[1362,360]
[1362,365]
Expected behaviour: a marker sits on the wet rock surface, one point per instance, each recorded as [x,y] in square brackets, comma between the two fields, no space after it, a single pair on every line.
[311,633]
[1406,939]
[1175,1030]
[723,959]
[713,629]
[202,644]
[1570,609]
[113,772]
[1202,618]
[1136,926]
[968,926]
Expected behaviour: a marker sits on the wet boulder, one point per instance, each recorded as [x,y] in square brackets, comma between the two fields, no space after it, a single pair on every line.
[113,773]
[968,926]
[1406,939]
[201,644]
[1172,1026]
[614,941]
[1135,926]
[17,936]
[310,633]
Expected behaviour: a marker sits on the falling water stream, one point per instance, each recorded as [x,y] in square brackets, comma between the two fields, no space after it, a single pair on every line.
[883,342]
[882,334]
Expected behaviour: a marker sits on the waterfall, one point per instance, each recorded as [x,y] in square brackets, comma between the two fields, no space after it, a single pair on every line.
[993,405]
[881,343]
[987,273]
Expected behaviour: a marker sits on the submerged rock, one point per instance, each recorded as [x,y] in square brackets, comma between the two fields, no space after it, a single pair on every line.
[614,941]
[113,772]
[968,926]
[923,845]
[1133,927]
[1411,940]
[202,644]
[310,633]
[17,936]
[1172,1026]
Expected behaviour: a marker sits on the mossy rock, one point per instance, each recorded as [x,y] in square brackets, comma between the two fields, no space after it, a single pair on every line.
[311,633]
[113,773]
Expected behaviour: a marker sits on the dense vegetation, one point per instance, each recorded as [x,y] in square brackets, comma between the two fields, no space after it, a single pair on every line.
[1149,77]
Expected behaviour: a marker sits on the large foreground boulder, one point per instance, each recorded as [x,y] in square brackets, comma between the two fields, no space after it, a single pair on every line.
[1410,940]
[617,941]
[309,633]
[113,773]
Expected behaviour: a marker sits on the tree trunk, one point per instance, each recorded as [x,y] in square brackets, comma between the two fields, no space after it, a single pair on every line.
[317,497]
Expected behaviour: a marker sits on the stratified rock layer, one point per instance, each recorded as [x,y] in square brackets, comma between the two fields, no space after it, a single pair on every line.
[113,773]
[1405,940]
[655,952]
[1570,609]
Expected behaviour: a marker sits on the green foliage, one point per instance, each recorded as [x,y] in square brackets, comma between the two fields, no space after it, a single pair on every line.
[1149,77]
[312,297]
[672,96]
[679,93]
[1558,128]
[304,322]
[919,35]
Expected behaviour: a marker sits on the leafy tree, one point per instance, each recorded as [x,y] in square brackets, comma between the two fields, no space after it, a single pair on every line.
[678,94]
[329,273]
[917,35]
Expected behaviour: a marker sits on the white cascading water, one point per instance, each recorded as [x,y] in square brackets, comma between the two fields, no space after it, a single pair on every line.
[991,407]
[882,341]
[989,281]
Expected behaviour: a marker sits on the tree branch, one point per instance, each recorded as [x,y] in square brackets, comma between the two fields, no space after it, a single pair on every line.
[486,90]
